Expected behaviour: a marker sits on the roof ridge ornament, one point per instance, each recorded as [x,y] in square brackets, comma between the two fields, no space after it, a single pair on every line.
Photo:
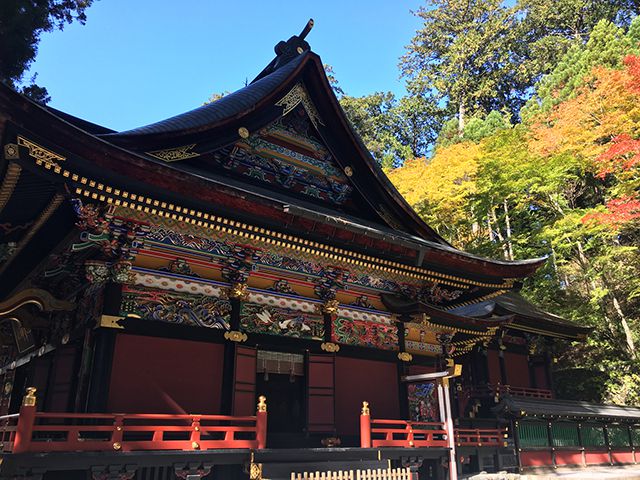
[287,51]
[296,45]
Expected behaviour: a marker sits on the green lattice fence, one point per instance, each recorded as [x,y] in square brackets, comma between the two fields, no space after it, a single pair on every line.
[533,434]
[565,434]
[635,436]
[618,435]
[593,435]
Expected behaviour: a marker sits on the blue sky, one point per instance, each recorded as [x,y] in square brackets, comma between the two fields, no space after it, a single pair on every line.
[139,61]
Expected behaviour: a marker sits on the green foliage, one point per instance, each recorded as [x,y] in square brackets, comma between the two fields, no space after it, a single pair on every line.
[392,130]
[463,55]
[21,24]
[605,47]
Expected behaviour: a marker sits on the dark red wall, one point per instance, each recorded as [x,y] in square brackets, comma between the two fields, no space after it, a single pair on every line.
[493,362]
[358,380]
[163,375]
[517,367]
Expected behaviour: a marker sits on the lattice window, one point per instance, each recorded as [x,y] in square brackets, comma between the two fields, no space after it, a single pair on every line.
[635,436]
[618,435]
[593,435]
[533,434]
[565,434]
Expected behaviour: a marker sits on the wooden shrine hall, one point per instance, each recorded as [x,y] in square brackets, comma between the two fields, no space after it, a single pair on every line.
[239,292]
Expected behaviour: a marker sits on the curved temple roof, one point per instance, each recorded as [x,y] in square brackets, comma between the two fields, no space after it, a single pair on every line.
[378,211]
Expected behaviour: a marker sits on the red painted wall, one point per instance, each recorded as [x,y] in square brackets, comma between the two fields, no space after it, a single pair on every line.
[622,457]
[596,458]
[541,377]
[494,367]
[364,380]
[564,457]
[536,459]
[517,368]
[164,375]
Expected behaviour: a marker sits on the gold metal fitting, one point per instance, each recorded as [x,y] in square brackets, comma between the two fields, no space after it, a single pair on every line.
[239,291]
[365,408]
[405,356]
[330,307]
[262,403]
[119,429]
[117,445]
[235,336]
[197,429]
[243,132]
[195,445]
[29,399]
[330,347]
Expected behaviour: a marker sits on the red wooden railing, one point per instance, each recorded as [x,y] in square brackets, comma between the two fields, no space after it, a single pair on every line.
[399,433]
[31,431]
[479,437]
[491,390]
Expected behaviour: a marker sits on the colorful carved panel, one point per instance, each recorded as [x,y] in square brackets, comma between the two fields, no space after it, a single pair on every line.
[178,308]
[273,320]
[365,333]
[423,402]
[304,166]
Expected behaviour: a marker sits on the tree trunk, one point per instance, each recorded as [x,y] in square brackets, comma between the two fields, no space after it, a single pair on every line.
[498,233]
[507,221]
[461,114]
[628,336]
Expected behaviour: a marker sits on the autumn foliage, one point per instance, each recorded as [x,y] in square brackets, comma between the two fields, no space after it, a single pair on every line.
[565,183]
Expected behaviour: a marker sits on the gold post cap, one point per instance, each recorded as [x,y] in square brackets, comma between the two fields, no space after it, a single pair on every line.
[262,403]
[29,399]
[365,408]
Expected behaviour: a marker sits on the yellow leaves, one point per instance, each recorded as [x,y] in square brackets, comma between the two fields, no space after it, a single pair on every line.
[448,178]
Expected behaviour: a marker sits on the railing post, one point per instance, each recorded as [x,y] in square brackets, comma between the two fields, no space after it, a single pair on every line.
[117,433]
[195,433]
[261,422]
[26,420]
[365,426]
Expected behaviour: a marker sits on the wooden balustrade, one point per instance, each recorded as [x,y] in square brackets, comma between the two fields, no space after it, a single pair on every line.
[491,390]
[31,431]
[370,474]
[479,437]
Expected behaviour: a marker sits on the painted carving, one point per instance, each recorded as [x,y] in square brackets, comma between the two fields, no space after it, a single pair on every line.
[365,334]
[178,308]
[281,321]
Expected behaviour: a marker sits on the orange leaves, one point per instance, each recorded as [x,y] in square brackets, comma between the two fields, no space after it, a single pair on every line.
[619,211]
[622,155]
[584,125]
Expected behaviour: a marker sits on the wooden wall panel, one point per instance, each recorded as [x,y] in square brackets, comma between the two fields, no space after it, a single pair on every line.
[164,375]
[370,380]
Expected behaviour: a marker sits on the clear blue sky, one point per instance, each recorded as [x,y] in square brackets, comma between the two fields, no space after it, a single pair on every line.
[139,61]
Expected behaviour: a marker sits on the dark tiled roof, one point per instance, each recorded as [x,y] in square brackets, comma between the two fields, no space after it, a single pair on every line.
[226,107]
[512,302]
[517,405]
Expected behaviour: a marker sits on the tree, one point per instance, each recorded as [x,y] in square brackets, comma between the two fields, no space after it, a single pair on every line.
[21,24]
[463,56]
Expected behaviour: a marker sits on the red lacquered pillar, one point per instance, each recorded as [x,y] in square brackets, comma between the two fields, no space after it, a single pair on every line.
[26,420]
[261,422]
[365,426]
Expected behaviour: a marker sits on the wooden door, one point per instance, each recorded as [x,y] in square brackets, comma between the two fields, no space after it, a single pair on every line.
[321,393]
[244,381]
